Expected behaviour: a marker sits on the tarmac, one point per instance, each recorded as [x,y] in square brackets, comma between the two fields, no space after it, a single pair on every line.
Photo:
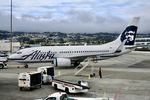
[124,78]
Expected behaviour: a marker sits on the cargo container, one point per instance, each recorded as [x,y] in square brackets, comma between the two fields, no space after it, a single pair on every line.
[29,80]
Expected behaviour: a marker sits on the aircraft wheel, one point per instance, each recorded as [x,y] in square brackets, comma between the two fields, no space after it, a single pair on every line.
[26,66]
[76,63]
[67,90]
[21,88]
[55,86]
[1,66]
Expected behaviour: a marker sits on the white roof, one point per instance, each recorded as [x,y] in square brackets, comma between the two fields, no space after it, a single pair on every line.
[32,72]
[56,94]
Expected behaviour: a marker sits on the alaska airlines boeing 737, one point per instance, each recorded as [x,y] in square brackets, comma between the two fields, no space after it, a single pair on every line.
[73,55]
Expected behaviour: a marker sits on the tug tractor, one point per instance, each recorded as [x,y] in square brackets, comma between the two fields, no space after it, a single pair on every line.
[3,65]
[3,60]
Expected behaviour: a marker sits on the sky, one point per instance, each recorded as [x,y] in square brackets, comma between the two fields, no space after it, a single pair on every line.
[74,15]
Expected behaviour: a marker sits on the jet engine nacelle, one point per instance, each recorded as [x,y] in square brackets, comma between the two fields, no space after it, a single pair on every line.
[62,62]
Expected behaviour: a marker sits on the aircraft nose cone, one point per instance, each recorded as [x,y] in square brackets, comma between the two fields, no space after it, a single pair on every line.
[12,57]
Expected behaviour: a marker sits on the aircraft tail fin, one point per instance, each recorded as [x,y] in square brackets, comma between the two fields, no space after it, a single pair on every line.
[129,33]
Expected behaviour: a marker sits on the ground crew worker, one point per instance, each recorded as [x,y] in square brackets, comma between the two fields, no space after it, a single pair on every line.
[100,72]
[44,72]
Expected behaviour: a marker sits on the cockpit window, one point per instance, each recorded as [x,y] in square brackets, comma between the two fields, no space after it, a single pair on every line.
[19,52]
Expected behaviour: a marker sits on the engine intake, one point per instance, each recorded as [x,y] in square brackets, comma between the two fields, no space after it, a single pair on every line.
[62,62]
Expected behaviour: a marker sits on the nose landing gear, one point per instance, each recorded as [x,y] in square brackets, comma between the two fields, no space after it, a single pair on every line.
[26,66]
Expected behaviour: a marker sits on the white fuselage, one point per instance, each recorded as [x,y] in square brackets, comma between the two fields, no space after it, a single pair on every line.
[48,53]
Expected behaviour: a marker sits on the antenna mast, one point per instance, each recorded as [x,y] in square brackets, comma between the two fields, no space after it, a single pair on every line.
[11,32]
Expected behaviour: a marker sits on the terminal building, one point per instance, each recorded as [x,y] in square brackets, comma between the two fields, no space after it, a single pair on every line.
[142,42]
[5,46]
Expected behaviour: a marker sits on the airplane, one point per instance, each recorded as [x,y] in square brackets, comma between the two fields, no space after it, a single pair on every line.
[64,56]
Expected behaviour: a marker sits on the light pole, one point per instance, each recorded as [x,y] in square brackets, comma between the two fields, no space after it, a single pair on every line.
[11,32]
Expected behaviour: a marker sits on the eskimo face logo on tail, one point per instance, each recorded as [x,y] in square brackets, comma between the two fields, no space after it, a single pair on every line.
[129,34]
[38,55]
